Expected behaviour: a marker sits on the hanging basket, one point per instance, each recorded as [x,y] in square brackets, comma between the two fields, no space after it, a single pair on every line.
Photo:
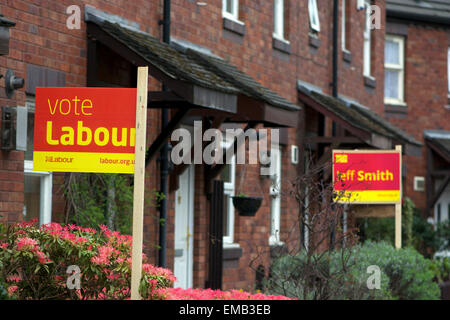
[247,206]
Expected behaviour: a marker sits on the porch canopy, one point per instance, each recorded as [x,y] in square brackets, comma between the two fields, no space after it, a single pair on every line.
[438,165]
[360,126]
[197,85]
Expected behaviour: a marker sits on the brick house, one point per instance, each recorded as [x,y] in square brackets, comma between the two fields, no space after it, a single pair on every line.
[419,32]
[279,64]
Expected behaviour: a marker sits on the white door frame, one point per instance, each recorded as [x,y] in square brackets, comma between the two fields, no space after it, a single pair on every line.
[185,231]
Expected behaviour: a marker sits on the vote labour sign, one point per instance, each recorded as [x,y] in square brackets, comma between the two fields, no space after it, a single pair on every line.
[367,176]
[85,130]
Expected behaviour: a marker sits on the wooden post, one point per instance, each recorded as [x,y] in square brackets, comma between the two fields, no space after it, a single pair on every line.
[139,181]
[398,208]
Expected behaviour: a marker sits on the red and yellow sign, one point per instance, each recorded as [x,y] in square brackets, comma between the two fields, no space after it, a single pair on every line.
[85,130]
[367,176]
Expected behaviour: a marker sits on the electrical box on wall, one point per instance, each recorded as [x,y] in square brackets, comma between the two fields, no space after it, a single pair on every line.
[419,184]
[294,154]
[14,128]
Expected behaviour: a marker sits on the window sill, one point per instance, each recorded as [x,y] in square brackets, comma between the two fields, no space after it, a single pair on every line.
[231,256]
[281,45]
[228,245]
[395,108]
[395,104]
[314,41]
[370,82]
[275,243]
[234,26]
[347,56]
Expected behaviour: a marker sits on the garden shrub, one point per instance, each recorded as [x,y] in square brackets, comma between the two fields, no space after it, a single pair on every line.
[405,274]
[410,274]
[34,263]
[209,294]
[290,273]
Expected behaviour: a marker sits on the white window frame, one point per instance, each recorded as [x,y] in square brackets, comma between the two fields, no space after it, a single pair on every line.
[46,183]
[367,46]
[344,26]
[229,189]
[314,20]
[278,20]
[400,68]
[275,197]
[234,14]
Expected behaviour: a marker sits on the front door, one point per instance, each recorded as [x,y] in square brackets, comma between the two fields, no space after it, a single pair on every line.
[184,229]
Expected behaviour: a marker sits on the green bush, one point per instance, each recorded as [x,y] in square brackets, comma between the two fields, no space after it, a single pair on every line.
[405,274]
[410,274]
[332,276]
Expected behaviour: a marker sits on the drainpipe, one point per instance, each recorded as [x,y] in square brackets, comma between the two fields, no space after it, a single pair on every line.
[335,79]
[164,160]
[335,46]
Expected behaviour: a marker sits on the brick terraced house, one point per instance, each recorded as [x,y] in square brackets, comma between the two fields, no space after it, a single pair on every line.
[417,96]
[314,70]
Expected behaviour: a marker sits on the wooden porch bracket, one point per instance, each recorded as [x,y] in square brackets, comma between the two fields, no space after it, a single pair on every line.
[165,99]
[211,172]
[438,193]
[165,134]
[179,169]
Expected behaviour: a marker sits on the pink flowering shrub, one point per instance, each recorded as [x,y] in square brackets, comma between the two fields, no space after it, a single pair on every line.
[34,262]
[208,294]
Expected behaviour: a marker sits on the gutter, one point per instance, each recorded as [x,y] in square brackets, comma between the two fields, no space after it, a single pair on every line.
[397,13]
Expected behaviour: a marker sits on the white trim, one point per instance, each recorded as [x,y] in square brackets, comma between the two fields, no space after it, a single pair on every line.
[314,20]
[46,180]
[185,227]
[400,68]
[418,180]
[344,26]
[275,195]
[367,45]
[46,188]
[231,245]
[234,14]
[278,19]
[229,189]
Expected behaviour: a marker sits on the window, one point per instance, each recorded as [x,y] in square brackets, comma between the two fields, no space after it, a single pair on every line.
[228,177]
[394,70]
[345,27]
[313,15]
[275,196]
[37,184]
[230,9]
[278,19]
[367,42]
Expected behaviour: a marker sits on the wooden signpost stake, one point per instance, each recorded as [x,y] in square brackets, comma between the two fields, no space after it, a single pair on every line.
[398,209]
[139,180]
